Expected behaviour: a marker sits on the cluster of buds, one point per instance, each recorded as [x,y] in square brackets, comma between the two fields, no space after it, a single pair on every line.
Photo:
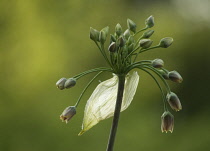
[121,56]
[64,83]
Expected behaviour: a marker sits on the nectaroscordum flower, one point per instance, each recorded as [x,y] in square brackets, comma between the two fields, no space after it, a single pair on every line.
[114,95]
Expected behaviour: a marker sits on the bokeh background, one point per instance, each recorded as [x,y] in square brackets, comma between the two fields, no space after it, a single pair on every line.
[42,41]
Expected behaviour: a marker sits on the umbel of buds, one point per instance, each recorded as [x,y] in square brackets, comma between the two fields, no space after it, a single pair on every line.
[68,113]
[175,76]
[167,122]
[174,101]
[158,63]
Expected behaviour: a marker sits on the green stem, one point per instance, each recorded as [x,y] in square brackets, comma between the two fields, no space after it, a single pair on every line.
[87,88]
[113,131]
[149,48]
[140,31]
[163,95]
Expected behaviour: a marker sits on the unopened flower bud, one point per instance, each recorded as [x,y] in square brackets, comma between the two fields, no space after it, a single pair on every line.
[118,29]
[120,42]
[127,34]
[70,83]
[157,63]
[131,47]
[166,42]
[112,47]
[60,84]
[175,76]
[130,40]
[145,43]
[150,22]
[131,25]
[68,113]
[94,34]
[148,34]
[102,37]
[164,74]
[167,122]
[174,101]
[112,38]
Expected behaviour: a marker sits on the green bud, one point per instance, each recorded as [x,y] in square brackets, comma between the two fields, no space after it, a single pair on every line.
[131,47]
[150,22]
[166,42]
[118,29]
[174,101]
[120,42]
[70,83]
[60,84]
[106,30]
[112,47]
[175,76]
[127,34]
[167,122]
[112,38]
[145,43]
[148,34]
[157,63]
[130,40]
[131,25]
[68,113]
[102,37]
[94,34]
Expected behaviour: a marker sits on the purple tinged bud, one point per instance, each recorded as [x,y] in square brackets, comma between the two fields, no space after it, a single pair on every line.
[112,47]
[175,76]
[68,113]
[174,101]
[167,122]
[60,84]
[157,63]
[70,83]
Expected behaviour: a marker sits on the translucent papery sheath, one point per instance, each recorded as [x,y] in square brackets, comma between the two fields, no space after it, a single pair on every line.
[101,104]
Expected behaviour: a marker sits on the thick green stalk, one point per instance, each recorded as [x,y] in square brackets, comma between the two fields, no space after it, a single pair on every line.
[113,131]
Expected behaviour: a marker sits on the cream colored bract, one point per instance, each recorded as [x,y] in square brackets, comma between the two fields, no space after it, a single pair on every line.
[101,103]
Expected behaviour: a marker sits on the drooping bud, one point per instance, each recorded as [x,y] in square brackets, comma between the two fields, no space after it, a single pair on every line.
[112,47]
[174,101]
[70,83]
[94,34]
[148,34]
[118,29]
[164,74]
[166,42]
[157,63]
[127,34]
[150,22]
[60,83]
[145,43]
[68,113]
[175,76]
[131,25]
[167,122]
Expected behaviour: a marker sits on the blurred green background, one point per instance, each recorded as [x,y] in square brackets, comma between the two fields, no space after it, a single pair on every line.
[42,41]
